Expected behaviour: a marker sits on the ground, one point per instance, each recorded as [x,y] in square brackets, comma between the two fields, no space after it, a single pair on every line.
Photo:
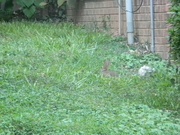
[50,84]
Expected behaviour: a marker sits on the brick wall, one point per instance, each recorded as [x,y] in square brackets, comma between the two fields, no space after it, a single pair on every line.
[104,14]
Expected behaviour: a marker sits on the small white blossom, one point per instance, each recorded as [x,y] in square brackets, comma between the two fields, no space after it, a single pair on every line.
[144,70]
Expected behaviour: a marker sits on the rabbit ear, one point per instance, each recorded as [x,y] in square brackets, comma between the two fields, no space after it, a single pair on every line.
[106,63]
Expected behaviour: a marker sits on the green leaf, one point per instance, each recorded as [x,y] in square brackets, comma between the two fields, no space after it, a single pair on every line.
[29,11]
[8,5]
[20,2]
[72,3]
[60,2]
[40,3]
[24,3]
[28,3]
[2,0]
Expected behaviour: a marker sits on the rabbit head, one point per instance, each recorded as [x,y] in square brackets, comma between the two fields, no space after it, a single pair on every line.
[104,69]
[105,66]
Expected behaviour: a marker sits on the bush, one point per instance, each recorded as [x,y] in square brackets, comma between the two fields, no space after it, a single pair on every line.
[174,30]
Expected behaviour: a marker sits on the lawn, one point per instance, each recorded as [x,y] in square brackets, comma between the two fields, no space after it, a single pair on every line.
[50,84]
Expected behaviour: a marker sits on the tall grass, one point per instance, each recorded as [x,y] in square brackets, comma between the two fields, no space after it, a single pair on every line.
[50,84]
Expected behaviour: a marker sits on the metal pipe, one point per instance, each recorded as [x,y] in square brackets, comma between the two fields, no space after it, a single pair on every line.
[120,17]
[129,22]
[152,25]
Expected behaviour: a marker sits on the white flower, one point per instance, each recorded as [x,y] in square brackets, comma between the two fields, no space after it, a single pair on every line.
[144,70]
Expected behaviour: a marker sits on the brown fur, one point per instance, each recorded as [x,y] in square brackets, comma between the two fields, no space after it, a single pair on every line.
[104,69]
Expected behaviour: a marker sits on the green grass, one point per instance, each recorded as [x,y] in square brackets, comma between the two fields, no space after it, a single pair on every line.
[50,84]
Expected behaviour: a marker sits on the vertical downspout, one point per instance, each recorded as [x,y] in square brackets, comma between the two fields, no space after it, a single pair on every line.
[120,17]
[129,22]
[152,25]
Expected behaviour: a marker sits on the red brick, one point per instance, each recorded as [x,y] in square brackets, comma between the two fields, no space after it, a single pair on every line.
[146,2]
[160,32]
[161,48]
[160,2]
[161,40]
[145,9]
[163,55]
[160,17]
[143,17]
[160,24]
[160,8]
[143,25]
[94,10]
[143,39]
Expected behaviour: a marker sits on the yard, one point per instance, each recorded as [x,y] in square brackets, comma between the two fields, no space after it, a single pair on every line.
[50,84]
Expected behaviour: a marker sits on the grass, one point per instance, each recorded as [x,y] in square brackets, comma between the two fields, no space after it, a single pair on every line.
[50,84]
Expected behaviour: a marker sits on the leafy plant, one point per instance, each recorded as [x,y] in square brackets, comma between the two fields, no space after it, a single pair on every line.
[106,25]
[133,60]
[29,6]
[103,25]
[7,11]
[174,30]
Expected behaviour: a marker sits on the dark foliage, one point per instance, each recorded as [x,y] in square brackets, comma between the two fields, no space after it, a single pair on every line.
[174,30]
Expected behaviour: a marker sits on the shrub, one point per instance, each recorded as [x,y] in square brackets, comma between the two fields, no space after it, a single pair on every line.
[174,30]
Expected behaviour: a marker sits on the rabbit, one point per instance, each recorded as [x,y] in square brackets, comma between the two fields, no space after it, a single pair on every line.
[104,69]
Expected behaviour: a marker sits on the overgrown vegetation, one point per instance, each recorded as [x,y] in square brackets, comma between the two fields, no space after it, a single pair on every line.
[174,30]
[28,7]
[50,84]
[32,9]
